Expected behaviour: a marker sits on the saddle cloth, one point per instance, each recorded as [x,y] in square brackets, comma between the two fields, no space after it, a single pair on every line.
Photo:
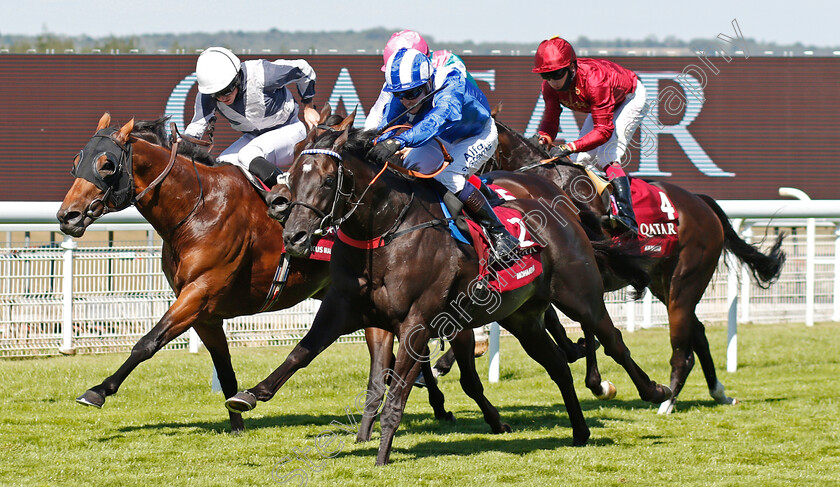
[513,274]
[657,218]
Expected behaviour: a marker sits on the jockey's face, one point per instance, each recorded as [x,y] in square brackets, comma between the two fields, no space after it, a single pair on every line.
[228,99]
[559,83]
[416,96]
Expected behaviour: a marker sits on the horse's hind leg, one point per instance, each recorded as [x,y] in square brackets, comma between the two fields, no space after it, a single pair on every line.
[436,399]
[573,351]
[691,276]
[464,346]
[175,321]
[213,337]
[538,345]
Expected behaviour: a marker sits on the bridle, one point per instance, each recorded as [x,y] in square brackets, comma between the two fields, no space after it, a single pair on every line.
[118,188]
[332,221]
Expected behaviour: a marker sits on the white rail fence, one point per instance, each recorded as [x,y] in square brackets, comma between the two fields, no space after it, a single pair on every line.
[58,295]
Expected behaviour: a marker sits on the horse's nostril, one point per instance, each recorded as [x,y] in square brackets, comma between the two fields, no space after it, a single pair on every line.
[299,237]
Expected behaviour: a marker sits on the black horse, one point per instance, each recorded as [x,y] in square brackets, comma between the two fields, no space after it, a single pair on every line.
[410,285]
[678,280]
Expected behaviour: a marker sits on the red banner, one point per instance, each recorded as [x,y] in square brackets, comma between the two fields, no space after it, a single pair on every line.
[735,129]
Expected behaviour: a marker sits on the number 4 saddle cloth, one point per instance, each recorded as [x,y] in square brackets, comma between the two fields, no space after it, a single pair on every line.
[657,218]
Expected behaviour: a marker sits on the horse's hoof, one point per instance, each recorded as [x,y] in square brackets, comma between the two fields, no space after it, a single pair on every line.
[580,439]
[662,394]
[667,407]
[242,402]
[506,428]
[607,391]
[91,398]
[448,417]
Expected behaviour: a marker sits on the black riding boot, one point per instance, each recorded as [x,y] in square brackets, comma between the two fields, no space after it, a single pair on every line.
[480,210]
[492,197]
[265,171]
[625,221]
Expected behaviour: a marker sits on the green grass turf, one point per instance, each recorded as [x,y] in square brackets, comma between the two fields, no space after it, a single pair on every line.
[165,426]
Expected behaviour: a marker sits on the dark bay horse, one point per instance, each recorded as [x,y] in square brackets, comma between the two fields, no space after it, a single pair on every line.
[678,280]
[220,248]
[411,285]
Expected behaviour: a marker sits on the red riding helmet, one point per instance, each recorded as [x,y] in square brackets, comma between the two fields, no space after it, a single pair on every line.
[553,54]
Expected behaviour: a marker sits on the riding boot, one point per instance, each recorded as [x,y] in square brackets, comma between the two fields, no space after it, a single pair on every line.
[492,197]
[479,209]
[267,172]
[626,219]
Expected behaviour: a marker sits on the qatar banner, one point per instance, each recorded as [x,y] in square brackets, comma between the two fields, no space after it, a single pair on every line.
[732,127]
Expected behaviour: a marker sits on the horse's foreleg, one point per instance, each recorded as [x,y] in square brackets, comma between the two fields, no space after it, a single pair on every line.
[213,337]
[177,319]
[380,344]
[436,398]
[412,344]
[463,344]
[335,317]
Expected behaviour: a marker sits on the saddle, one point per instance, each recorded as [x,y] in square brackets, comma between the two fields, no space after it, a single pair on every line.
[498,276]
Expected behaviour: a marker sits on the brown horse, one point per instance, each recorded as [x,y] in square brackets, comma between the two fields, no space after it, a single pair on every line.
[220,249]
[678,280]
[411,283]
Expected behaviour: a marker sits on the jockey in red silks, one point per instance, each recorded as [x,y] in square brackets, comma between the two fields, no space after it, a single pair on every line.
[616,102]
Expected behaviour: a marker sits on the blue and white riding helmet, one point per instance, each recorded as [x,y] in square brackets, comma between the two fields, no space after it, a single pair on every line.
[406,69]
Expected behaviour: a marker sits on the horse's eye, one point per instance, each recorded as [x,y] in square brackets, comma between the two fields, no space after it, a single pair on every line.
[329,182]
[108,168]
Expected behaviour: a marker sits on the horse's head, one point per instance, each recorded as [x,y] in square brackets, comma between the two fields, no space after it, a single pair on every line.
[104,182]
[310,202]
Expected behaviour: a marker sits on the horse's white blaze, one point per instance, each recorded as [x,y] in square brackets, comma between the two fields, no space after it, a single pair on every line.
[307,167]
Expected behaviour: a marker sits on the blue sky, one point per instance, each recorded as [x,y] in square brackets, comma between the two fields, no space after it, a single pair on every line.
[806,21]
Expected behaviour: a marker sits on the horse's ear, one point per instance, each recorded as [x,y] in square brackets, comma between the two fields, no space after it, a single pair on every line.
[104,122]
[341,140]
[326,111]
[347,122]
[122,135]
[496,110]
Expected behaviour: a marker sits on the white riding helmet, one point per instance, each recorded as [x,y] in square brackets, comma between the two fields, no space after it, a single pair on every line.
[216,69]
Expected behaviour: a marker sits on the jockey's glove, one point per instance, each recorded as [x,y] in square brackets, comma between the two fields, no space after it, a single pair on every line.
[560,151]
[542,139]
[384,150]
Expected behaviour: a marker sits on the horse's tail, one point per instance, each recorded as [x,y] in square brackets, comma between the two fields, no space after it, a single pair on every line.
[765,268]
[624,260]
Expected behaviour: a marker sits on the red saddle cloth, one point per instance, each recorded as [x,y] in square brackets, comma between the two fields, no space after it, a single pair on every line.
[322,250]
[508,276]
[657,218]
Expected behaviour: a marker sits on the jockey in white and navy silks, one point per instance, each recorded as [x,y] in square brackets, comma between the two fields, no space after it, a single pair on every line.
[256,98]
[459,115]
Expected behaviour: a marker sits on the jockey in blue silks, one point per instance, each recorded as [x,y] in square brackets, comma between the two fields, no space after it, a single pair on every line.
[459,115]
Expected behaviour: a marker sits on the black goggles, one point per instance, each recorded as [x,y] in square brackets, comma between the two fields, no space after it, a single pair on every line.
[411,94]
[227,90]
[554,75]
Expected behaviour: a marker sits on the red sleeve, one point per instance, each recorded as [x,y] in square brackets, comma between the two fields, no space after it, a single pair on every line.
[550,122]
[603,109]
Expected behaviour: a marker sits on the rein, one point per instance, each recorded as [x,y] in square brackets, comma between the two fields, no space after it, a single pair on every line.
[390,234]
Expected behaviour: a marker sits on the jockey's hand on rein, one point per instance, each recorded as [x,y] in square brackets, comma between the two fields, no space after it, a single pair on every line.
[560,151]
[383,151]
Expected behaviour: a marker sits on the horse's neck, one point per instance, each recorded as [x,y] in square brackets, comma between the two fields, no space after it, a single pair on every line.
[175,196]
[384,205]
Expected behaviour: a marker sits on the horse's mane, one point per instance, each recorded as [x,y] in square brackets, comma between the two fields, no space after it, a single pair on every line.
[359,141]
[154,131]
